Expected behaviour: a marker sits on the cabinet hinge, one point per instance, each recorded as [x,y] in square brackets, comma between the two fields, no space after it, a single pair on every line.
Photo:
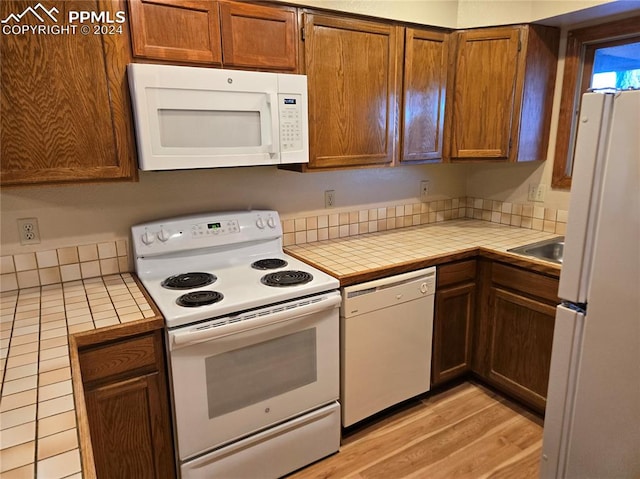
[302,34]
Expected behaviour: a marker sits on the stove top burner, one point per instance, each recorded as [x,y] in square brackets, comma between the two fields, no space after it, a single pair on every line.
[286,278]
[188,280]
[199,298]
[269,263]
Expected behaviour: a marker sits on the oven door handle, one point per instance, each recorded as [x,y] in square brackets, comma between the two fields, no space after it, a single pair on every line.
[180,339]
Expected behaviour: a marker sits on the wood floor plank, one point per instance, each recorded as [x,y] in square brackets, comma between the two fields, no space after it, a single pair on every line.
[438,446]
[397,432]
[486,453]
[465,432]
[525,465]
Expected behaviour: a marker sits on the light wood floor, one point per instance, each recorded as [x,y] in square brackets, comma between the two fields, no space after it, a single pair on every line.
[465,432]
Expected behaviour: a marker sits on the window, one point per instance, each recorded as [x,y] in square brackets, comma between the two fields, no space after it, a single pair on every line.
[603,56]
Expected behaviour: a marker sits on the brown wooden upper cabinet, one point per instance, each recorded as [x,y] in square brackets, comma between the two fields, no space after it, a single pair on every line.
[64,102]
[259,36]
[424,89]
[353,69]
[176,30]
[501,93]
[210,32]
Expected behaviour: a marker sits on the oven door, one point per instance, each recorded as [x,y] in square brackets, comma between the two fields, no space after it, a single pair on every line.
[235,376]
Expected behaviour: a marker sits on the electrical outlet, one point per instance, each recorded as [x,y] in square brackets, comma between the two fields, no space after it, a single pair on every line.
[329,198]
[536,192]
[28,231]
[424,190]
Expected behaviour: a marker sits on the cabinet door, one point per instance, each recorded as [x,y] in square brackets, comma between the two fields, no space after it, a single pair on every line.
[484,98]
[453,319]
[123,373]
[353,73]
[64,111]
[520,345]
[128,432]
[176,30]
[259,36]
[424,88]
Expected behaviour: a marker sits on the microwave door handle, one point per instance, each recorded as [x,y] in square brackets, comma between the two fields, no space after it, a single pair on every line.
[274,148]
[181,339]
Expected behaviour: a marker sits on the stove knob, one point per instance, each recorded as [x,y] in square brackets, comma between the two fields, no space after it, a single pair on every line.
[260,223]
[164,235]
[148,238]
[271,222]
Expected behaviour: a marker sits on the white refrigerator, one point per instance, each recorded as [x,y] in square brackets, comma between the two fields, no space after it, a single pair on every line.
[592,421]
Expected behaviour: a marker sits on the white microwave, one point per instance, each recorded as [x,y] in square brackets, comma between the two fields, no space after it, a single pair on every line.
[188,117]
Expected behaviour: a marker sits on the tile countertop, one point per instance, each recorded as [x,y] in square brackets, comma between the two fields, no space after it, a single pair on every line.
[38,428]
[375,255]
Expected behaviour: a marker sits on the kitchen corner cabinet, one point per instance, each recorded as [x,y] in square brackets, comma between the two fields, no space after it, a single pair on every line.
[501,93]
[453,321]
[126,398]
[354,72]
[64,107]
[214,33]
[424,88]
[515,331]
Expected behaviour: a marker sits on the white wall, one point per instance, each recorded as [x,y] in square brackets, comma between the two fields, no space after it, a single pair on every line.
[78,214]
[442,13]
[479,13]
[476,13]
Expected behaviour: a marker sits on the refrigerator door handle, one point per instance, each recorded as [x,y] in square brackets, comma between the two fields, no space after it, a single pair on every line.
[584,204]
[565,359]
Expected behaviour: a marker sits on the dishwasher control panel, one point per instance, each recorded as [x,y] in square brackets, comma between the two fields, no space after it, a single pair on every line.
[382,293]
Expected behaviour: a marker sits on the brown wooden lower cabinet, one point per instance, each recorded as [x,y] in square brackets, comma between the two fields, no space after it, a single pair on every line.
[127,404]
[453,321]
[514,331]
[497,321]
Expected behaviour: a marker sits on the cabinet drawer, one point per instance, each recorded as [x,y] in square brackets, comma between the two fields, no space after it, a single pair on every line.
[139,353]
[452,273]
[534,284]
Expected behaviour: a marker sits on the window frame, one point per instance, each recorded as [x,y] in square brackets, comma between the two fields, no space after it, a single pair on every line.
[575,71]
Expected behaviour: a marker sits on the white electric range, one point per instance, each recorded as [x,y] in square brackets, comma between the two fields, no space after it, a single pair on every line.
[253,343]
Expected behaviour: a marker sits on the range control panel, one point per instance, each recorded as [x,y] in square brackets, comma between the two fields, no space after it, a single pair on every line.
[201,231]
[215,228]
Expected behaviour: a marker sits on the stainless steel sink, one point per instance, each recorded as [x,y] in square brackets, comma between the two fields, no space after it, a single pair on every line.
[549,250]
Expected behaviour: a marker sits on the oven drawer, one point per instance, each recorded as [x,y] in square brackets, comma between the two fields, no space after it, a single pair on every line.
[305,439]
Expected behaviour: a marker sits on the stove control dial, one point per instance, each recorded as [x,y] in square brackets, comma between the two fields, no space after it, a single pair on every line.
[271,222]
[148,238]
[260,223]
[164,235]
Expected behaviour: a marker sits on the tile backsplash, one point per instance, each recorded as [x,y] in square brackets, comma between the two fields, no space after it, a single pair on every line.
[100,259]
[332,224]
[63,264]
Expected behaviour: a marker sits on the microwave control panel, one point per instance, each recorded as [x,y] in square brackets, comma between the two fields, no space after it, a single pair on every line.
[290,110]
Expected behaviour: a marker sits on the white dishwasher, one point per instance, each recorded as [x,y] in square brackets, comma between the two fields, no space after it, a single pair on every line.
[386,328]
